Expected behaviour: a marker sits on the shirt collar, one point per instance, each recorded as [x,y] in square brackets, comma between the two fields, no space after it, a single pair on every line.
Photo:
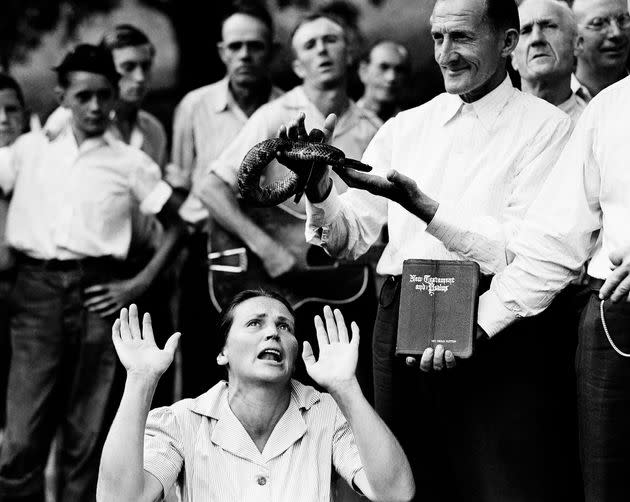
[66,135]
[229,433]
[225,100]
[487,108]
[579,89]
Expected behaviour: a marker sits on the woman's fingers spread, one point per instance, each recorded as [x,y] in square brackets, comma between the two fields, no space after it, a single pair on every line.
[125,333]
[331,325]
[342,330]
[134,323]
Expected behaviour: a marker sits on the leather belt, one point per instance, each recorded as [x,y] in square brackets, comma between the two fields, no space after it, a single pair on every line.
[66,265]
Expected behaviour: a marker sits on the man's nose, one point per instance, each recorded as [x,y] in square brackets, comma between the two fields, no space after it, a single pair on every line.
[538,34]
[4,116]
[139,74]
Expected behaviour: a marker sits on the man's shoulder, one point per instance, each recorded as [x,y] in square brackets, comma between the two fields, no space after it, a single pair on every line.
[205,93]
[536,108]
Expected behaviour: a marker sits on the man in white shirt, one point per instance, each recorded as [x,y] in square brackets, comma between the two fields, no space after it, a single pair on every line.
[320,60]
[205,122]
[70,224]
[12,123]
[581,214]
[471,161]
[545,54]
[605,28]
[383,71]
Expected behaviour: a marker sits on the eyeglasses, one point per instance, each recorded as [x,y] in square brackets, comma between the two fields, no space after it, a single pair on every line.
[604,23]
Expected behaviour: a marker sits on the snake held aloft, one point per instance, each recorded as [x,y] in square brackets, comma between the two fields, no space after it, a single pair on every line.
[300,156]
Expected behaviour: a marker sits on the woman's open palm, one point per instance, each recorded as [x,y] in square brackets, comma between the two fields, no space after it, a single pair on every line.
[338,353]
[137,349]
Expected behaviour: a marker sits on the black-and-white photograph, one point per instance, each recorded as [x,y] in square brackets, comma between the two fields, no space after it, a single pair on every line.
[314,250]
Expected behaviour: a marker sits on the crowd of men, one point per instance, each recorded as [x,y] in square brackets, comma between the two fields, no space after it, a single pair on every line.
[531,184]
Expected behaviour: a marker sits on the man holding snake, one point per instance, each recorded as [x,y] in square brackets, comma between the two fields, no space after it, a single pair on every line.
[467,166]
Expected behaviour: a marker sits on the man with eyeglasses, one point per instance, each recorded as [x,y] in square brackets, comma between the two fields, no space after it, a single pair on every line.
[604,26]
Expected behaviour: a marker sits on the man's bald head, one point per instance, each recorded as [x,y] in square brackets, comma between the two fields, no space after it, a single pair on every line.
[548,43]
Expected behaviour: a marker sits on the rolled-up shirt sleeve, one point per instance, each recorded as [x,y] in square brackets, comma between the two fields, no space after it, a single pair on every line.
[147,186]
[485,239]
[556,237]
[163,451]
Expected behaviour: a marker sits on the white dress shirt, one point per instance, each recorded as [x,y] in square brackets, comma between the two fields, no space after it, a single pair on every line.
[73,201]
[203,446]
[483,162]
[582,212]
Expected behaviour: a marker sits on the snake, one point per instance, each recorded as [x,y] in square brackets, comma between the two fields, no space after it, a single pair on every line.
[299,156]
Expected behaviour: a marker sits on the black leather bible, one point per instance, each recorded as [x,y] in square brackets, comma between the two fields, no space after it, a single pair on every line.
[438,305]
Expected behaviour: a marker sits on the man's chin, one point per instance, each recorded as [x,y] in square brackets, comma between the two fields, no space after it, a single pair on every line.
[457,86]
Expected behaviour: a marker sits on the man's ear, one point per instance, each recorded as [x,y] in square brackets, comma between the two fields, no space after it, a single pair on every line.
[60,94]
[362,71]
[578,47]
[513,62]
[222,359]
[298,69]
[510,42]
[221,51]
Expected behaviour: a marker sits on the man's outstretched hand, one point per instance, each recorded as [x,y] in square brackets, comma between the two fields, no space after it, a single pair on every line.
[396,187]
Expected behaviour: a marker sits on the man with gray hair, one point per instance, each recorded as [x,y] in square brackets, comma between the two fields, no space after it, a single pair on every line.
[545,54]
[605,28]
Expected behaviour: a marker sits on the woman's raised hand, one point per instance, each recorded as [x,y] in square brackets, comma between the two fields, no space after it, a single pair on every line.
[338,353]
[137,349]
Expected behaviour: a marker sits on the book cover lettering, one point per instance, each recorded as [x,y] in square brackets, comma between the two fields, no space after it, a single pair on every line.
[438,305]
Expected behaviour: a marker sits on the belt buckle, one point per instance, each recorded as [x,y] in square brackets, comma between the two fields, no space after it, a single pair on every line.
[241,259]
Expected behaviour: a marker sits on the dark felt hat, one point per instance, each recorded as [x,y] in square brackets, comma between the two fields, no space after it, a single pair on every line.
[89,58]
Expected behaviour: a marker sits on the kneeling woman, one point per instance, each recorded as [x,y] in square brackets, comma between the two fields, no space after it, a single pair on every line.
[261,436]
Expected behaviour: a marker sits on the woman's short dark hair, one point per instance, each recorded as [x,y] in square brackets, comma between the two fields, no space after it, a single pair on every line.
[125,35]
[227,314]
[8,82]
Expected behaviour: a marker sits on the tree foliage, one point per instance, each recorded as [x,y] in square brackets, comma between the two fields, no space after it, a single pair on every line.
[24,22]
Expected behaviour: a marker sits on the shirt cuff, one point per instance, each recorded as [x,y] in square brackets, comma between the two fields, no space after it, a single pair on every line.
[443,226]
[154,202]
[319,215]
[492,315]
[193,211]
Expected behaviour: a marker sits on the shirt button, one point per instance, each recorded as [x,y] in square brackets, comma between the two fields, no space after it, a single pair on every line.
[262,480]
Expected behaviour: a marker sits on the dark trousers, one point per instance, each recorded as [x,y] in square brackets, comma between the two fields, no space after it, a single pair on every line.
[604,402]
[197,322]
[485,430]
[6,284]
[62,371]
